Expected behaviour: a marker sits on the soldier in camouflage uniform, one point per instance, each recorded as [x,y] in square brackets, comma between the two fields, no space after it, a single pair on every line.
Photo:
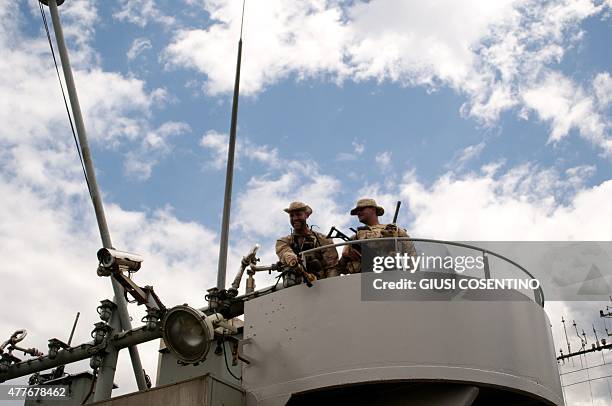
[323,263]
[368,212]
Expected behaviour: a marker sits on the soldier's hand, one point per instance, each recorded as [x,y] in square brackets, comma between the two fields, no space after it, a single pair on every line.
[292,262]
[310,277]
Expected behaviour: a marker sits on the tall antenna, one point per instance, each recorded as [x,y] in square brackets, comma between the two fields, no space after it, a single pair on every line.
[229,176]
[94,192]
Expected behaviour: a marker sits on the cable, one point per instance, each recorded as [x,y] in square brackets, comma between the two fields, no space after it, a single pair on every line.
[583,369]
[91,388]
[226,364]
[76,142]
[589,380]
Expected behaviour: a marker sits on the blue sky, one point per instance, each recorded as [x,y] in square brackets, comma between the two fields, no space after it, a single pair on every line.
[489,120]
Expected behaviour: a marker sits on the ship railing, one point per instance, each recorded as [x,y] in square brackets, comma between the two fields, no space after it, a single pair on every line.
[420,243]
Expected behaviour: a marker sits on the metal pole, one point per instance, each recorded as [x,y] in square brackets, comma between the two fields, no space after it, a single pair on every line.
[229,177]
[93,185]
[76,320]
[106,372]
[80,126]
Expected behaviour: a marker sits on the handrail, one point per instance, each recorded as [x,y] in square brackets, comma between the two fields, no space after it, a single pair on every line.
[538,293]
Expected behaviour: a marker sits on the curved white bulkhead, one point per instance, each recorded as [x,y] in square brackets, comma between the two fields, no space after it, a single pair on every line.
[303,340]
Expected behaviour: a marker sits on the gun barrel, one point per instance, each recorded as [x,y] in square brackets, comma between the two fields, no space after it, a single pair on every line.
[397,207]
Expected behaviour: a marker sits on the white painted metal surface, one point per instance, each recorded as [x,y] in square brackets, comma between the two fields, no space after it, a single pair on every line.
[304,339]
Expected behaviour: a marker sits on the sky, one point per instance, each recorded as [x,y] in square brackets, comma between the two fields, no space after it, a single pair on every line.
[488,120]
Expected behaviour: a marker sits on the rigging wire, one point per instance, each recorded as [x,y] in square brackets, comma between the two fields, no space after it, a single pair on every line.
[76,142]
[588,380]
[583,369]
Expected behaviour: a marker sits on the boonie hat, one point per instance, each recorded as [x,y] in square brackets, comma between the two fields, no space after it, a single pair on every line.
[295,206]
[367,203]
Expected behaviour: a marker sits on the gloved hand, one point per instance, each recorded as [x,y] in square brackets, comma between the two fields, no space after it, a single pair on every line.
[292,261]
[310,277]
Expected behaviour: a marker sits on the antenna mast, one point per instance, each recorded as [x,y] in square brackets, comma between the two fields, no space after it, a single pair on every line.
[229,176]
[93,191]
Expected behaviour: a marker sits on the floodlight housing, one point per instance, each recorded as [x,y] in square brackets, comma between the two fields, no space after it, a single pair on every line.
[188,333]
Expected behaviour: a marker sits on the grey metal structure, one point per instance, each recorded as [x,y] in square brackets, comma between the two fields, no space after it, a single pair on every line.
[79,388]
[325,343]
[118,290]
[115,340]
[229,174]
[300,345]
[205,390]
[303,345]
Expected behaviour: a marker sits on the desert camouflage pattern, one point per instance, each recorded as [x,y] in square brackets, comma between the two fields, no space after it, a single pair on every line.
[288,248]
[294,206]
[385,248]
[367,203]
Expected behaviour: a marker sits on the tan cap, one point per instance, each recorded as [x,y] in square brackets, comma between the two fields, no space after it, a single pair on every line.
[368,203]
[295,206]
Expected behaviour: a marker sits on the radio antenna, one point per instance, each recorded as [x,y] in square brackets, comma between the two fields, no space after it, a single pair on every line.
[229,176]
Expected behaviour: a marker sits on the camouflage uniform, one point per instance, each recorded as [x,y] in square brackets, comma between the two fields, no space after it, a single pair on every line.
[382,248]
[289,247]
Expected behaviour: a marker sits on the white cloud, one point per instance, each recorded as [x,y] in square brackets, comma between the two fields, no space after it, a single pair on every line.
[79,20]
[282,181]
[275,193]
[139,45]
[358,149]
[283,38]
[495,53]
[602,85]
[142,12]
[153,147]
[383,160]
[47,230]
[419,43]
[117,109]
[217,143]
[465,155]
[45,208]
[566,106]
[578,175]
[50,239]
[528,198]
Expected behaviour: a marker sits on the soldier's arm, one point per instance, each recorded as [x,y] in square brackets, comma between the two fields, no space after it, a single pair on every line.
[285,253]
[407,246]
[349,252]
[330,258]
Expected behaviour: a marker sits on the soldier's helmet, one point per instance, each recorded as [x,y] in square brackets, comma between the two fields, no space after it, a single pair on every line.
[295,206]
[367,203]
